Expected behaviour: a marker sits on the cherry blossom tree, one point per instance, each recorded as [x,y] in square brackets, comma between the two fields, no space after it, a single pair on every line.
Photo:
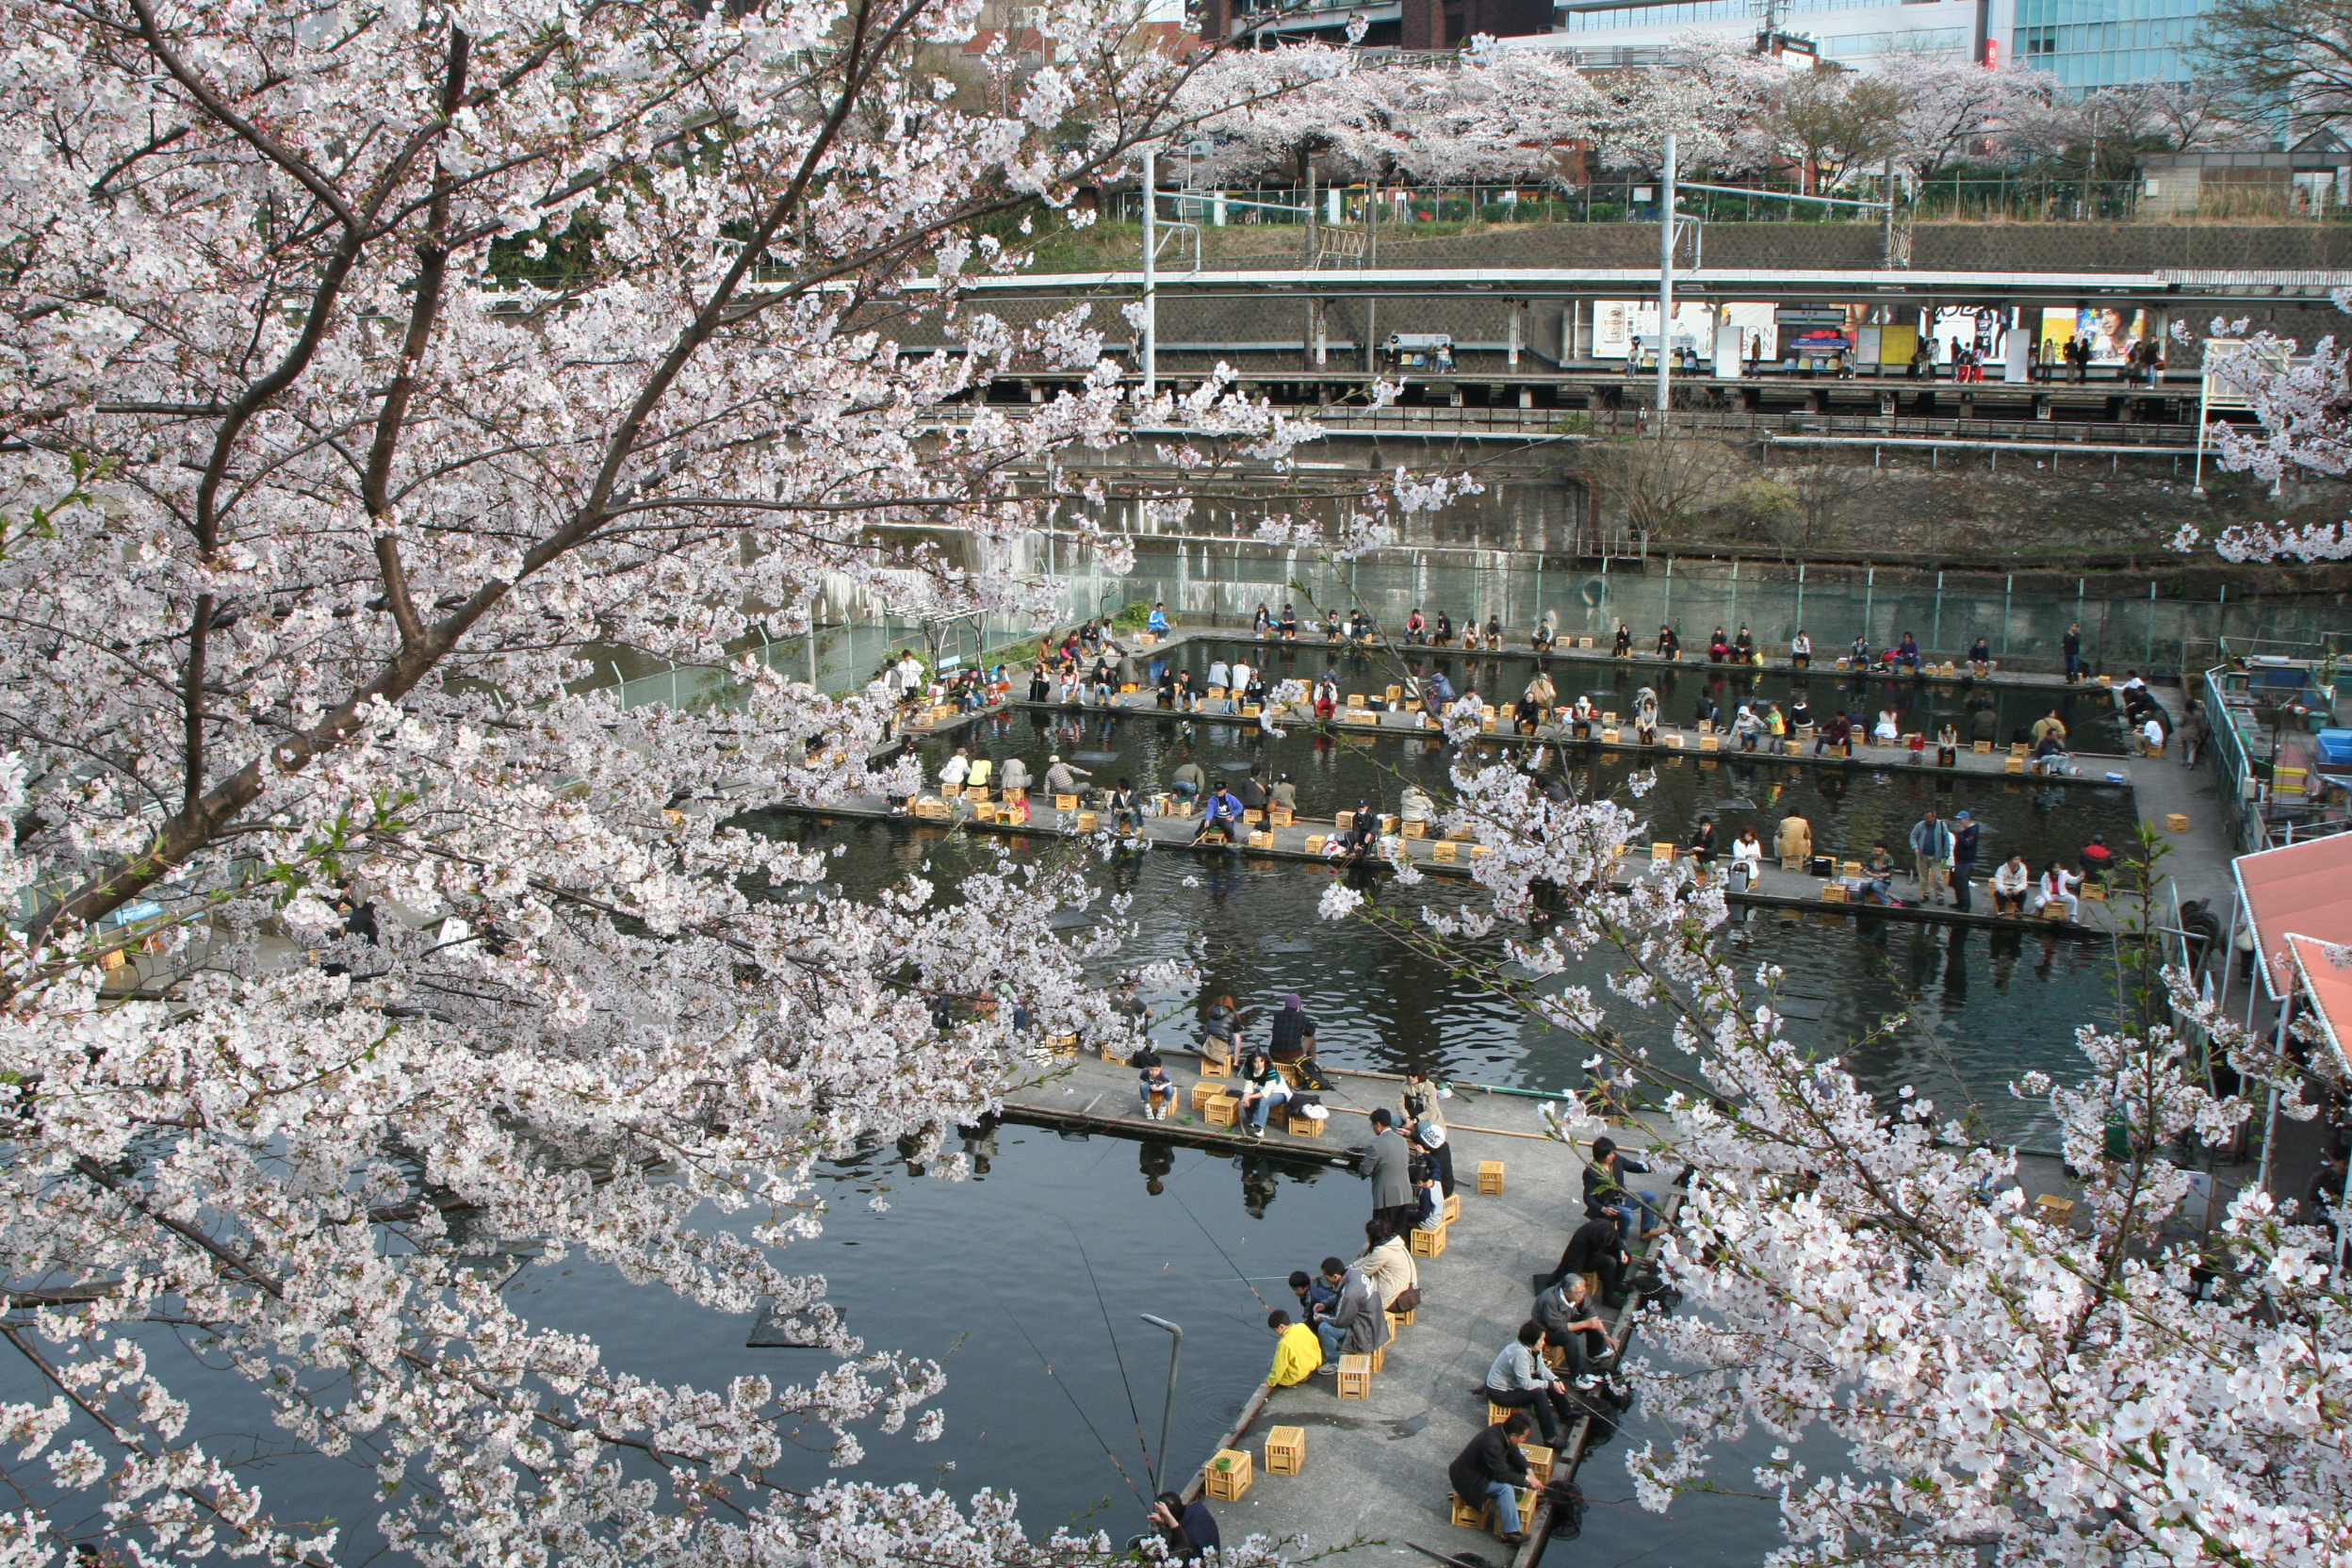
[374,373]
[2134,1386]
[2302,406]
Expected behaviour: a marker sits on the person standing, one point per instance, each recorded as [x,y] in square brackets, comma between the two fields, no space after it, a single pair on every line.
[1931,850]
[2071,644]
[1964,832]
[1389,1166]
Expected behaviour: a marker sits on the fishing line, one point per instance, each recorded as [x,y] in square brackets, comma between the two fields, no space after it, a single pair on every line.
[1057,1383]
[1220,1250]
[1106,1308]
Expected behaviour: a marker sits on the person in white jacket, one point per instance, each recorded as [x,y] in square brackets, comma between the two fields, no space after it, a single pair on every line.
[2009,886]
[2057,886]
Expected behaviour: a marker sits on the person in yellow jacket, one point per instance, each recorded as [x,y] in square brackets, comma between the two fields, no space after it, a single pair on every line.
[1297,1351]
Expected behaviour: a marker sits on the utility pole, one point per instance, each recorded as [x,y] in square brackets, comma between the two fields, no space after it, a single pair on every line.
[1665,283]
[1151,355]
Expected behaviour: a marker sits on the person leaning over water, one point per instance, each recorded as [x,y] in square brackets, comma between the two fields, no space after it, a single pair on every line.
[1297,1350]
[1186,1528]
[1186,782]
[1437,1154]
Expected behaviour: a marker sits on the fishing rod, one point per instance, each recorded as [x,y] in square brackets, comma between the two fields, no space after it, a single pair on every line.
[1074,1405]
[1220,1251]
[1106,1309]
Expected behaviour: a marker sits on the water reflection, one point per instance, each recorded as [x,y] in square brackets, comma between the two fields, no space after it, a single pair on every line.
[1976,1017]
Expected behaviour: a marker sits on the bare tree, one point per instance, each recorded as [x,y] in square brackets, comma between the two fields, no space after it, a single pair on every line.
[1659,488]
[2295,54]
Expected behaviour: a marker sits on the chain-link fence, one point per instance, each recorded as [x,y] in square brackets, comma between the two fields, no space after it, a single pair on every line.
[1224,581]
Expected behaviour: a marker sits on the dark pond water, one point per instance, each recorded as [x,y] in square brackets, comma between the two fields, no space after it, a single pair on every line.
[995,1277]
[1850,809]
[2089,712]
[1982,1006]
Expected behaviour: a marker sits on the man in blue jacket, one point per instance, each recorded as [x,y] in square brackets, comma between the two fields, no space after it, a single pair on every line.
[1931,845]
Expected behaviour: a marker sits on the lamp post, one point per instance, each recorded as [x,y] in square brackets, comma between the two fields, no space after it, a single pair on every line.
[1151,355]
[1175,1348]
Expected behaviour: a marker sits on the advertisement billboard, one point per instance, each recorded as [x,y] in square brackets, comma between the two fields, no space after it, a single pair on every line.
[2110,330]
[1617,322]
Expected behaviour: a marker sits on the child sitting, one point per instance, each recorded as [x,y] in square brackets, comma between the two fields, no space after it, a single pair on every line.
[1156,1090]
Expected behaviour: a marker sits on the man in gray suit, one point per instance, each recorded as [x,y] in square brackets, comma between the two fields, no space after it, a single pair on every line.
[1389,1166]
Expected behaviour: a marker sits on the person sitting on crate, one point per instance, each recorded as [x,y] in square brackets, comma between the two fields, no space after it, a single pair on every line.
[1878,871]
[1527,713]
[1221,1032]
[1387,1262]
[1289,624]
[1354,1325]
[1291,1037]
[2010,885]
[1253,793]
[1568,1312]
[2049,753]
[1061,778]
[1332,632]
[1416,627]
[1596,1249]
[1545,634]
[1126,810]
[1222,814]
[1606,1194]
[2056,886]
[1327,695]
[1491,1470]
[1429,1212]
[1156,1090]
[1582,715]
[1644,716]
[1518,1380]
[1262,1090]
[1297,1351]
[1494,633]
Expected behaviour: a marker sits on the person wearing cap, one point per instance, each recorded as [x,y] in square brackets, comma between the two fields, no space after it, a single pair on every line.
[2097,860]
[1965,829]
[1437,1154]
[1292,1036]
[1061,778]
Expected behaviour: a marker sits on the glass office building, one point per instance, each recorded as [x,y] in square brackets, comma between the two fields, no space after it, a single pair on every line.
[2095,43]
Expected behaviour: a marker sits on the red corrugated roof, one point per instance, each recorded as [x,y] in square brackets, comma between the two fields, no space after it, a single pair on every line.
[2305,888]
[2328,985]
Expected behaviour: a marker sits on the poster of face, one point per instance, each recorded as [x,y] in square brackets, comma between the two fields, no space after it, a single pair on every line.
[2111,331]
[1983,328]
